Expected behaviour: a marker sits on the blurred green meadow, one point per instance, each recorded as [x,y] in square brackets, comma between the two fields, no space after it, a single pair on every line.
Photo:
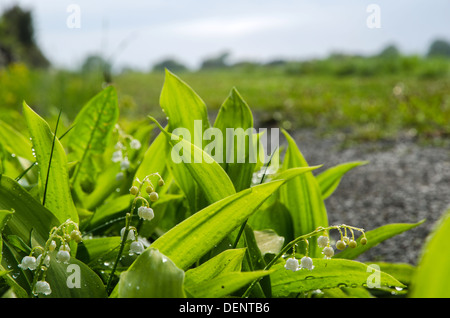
[365,98]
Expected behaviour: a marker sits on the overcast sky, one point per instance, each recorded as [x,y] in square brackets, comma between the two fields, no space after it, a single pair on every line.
[139,33]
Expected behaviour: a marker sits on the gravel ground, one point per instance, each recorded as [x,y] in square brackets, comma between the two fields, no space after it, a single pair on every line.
[403,183]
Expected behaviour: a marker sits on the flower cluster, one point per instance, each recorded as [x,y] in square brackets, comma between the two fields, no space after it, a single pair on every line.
[63,234]
[122,147]
[323,241]
[145,212]
[129,233]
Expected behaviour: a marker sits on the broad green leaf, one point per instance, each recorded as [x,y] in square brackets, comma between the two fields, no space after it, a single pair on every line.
[235,119]
[155,161]
[208,174]
[183,106]
[432,277]
[92,250]
[275,217]
[109,210]
[224,284]
[225,262]
[108,184]
[192,238]
[404,272]
[28,213]
[152,275]
[269,242]
[73,280]
[302,196]
[376,236]
[185,110]
[254,261]
[345,292]
[5,215]
[14,142]
[328,273]
[330,178]
[58,197]
[160,207]
[91,131]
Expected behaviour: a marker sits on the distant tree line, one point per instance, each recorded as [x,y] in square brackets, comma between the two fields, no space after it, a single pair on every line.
[18,44]
[17,41]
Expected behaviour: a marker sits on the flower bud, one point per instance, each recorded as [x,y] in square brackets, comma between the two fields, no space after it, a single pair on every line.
[328,251]
[160,182]
[52,246]
[340,245]
[135,144]
[125,164]
[136,248]
[134,190]
[322,241]
[28,262]
[63,257]
[307,263]
[76,236]
[46,260]
[42,287]
[149,189]
[146,213]
[352,243]
[130,236]
[363,241]
[153,196]
[292,264]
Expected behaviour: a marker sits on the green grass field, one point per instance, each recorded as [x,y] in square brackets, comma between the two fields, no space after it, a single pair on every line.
[365,106]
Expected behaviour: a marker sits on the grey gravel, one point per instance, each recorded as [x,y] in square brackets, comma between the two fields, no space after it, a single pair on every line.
[404,182]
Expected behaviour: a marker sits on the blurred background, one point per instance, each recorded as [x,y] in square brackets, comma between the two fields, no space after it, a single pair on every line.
[369,69]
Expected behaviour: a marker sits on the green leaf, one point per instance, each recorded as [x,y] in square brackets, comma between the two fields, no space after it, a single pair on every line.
[269,242]
[155,161]
[152,275]
[302,197]
[91,250]
[227,261]
[185,110]
[402,271]
[91,132]
[432,276]
[191,239]
[376,236]
[225,284]
[58,195]
[5,215]
[328,273]
[73,280]
[208,174]
[14,142]
[274,217]
[28,214]
[329,179]
[182,105]
[109,210]
[235,116]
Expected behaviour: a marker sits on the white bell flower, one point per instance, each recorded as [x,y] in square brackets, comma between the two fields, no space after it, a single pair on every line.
[292,264]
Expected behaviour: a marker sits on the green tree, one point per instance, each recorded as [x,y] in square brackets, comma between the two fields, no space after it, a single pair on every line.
[17,39]
[170,64]
[438,48]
